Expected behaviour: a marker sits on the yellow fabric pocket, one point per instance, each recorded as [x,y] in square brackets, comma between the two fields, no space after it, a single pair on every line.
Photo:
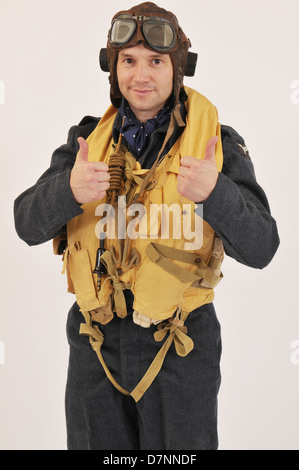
[81,275]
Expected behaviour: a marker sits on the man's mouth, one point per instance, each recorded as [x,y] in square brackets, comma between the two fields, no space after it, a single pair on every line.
[141,92]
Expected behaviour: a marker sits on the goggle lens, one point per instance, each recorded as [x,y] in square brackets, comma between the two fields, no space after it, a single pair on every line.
[122,31]
[159,36]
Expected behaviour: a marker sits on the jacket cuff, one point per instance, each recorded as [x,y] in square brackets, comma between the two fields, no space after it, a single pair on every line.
[66,206]
[221,202]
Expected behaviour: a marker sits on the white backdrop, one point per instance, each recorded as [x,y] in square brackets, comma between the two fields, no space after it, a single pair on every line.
[49,79]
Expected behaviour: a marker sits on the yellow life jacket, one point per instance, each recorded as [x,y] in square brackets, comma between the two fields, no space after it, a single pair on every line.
[166,272]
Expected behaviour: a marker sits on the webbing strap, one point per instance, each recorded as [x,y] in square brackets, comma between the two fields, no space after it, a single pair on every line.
[96,339]
[183,345]
[160,254]
[177,334]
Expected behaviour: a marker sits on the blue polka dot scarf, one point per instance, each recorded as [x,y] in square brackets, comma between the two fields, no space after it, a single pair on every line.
[137,133]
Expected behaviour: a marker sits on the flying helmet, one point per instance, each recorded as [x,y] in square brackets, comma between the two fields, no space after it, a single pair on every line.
[158,30]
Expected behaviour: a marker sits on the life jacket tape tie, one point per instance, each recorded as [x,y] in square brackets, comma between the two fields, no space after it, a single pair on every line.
[178,333]
[118,285]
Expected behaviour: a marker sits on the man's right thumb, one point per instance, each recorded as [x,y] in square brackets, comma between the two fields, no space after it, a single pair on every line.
[83,150]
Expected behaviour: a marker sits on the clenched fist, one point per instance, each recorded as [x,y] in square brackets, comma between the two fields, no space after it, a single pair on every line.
[198,178]
[89,180]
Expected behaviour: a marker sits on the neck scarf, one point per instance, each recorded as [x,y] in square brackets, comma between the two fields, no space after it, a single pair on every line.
[137,133]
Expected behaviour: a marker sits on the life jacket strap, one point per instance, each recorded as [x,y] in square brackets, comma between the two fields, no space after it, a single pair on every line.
[209,273]
[96,339]
[177,334]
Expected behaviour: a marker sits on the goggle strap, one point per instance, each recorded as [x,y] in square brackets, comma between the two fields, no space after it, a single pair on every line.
[141,18]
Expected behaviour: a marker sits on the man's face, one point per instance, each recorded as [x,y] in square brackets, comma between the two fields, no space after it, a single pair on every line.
[145,79]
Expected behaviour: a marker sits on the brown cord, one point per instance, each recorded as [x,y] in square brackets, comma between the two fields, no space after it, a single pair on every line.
[116,168]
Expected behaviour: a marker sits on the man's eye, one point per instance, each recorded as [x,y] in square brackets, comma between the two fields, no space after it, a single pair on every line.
[157,61]
[129,61]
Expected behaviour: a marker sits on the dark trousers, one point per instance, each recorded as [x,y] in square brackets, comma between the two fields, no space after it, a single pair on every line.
[177,412]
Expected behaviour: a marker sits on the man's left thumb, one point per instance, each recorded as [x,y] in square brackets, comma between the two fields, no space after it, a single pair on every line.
[210,149]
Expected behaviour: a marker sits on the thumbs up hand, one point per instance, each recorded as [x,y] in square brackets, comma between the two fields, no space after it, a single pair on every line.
[89,181]
[198,178]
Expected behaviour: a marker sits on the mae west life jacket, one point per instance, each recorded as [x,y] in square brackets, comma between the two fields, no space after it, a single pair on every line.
[152,255]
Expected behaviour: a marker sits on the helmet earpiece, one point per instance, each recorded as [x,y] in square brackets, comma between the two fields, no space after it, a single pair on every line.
[189,68]
[103,59]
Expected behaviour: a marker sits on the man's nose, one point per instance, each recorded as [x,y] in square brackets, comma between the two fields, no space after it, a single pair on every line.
[141,73]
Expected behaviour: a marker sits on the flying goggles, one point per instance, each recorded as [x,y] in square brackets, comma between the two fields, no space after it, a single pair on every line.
[159,33]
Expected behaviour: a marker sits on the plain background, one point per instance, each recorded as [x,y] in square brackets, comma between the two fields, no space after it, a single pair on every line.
[248,61]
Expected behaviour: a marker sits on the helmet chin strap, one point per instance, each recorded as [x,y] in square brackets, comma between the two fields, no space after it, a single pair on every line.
[177,115]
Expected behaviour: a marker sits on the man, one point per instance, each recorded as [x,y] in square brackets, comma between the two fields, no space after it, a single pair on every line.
[145,303]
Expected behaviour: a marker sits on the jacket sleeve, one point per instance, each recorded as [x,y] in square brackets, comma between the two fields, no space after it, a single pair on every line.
[238,209]
[42,211]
